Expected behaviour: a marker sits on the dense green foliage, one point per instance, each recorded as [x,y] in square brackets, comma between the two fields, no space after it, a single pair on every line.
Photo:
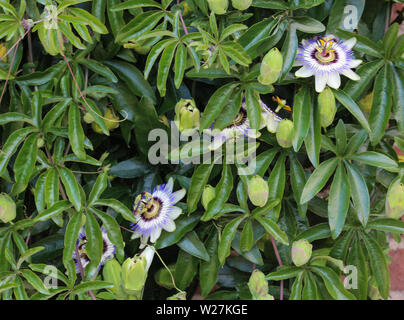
[84,82]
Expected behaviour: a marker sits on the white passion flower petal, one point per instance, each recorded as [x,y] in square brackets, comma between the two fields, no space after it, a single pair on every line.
[326,58]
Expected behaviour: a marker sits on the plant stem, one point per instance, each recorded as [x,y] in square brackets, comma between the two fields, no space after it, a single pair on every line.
[182,19]
[278,257]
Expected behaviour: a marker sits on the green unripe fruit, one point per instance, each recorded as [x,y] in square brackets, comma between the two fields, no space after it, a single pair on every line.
[258,191]
[111,122]
[271,67]
[395,200]
[301,252]
[258,286]
[134,274]
[284,133]
[218,6]
[241,4]
[327,107]
[208,195]
[7,208]
[187,115]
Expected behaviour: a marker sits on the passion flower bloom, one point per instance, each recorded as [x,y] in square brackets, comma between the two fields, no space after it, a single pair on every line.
[240,127]
[156,211]
[326,58]
[108,249]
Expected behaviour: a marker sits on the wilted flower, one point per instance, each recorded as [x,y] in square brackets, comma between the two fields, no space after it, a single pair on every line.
[240,127]
[7,208]
[271,67]
[111,123]
[301,252]
[218,6]
[108,249]
[208,195]
[395,200]
[327,107]
[284,134]
[156,211]
[241,4]
[326,58]
[258,191]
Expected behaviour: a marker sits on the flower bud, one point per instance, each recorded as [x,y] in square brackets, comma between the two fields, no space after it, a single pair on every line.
[187,115]
[327,107]
[258,191]
[208,195]
[112,273]
[40,143]
[7,208]
[271,67]
[395,200]
[88,118]
[284,133]
[301,252]
[218,6]
[134,274]
[241,4]
[258,286]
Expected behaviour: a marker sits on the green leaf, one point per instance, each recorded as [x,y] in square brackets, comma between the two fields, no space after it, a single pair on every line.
[186,269]
[192,245]
[13,117]
[283,273]
[223,190]
[229,113]
[382,102]
[71,236]
[34,281]
[53,211]
[198,182]
[131,4]
[364,44]
[357,140]
[71,187]
[24,164]
[164,67]
[27,254]
[340,137]
[301,117]
[184,224]
[92,21]
[338,203]
[54,114]
[359,193]
[386,225]
[270,4]
[375,159]
[298,180]
[357,258]
[133,78]
[99,186]
[99,68]
[227,237]
[209,270]
[367,72]
[216,104]
[313,138]
[253,109]
[333,283]
[236,52]
[390,38]
[352,107]
[180,64]
[114,231]
[318,179]
[94,245]
[76,133]
[310,287]
[378,264]
[273,229]
[247,237]
[296,291]
[118,207]
[289,50]
[398,85]
[51,187]
[91,285]
[308,25]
